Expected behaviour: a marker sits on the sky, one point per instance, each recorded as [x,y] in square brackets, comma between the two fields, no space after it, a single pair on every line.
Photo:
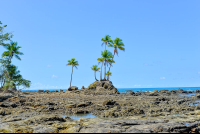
[161,38]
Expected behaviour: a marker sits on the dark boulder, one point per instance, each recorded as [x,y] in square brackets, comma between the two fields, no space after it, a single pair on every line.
[109,102]
[73,88]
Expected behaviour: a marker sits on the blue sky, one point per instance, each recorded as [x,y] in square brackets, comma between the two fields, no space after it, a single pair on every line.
[161,41]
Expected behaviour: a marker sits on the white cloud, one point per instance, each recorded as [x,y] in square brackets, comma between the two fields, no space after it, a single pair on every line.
[43,86]
[49,65]
[54,76]
[137,85]
[198,72]
[162,78]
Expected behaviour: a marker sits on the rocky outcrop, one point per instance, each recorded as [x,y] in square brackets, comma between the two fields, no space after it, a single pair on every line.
[103,87]
[73,88]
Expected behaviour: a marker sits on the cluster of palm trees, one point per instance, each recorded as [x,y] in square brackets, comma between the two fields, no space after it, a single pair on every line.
[107,56]
[106,59]
[9,75]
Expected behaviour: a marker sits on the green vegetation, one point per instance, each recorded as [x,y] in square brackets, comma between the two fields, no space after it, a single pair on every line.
[74,64]
[107,57]
[108,74]
[4,36]
[10,77]
[107,41]
[95,69]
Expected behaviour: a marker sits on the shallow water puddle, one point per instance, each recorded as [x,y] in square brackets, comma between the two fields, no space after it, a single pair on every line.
[187,95]
[78,116]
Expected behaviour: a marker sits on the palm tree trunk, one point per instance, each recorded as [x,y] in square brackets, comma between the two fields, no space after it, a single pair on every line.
[105,71]
[101,71]
[111,63]
[71,77]
[95,75]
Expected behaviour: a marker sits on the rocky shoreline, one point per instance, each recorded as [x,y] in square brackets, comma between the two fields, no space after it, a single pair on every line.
[156,111]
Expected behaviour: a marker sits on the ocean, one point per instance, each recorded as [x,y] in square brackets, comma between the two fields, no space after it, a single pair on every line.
[121,90]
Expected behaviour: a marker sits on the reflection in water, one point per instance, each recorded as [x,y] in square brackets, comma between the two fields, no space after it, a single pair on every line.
[187,95]
[78,116]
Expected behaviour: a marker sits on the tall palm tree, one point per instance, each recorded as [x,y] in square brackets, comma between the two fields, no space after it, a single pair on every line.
[106,55]
[95,68]
[12,50]
[74,64]
[117,44]
[108,73]
[101,60]
[107,41]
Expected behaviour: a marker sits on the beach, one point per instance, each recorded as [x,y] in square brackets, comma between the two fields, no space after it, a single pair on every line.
[91,110]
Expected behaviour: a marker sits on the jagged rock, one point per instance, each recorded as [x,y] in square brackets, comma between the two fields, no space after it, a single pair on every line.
[109,102]
[7,104]
[103,87]
[73,88]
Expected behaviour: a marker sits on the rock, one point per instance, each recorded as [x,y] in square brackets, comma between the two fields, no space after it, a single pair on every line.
[8,104]
[83,87]
[73,88]
[197,91]
[180,90]
[44,129]
[61,90]
[40,91]
[132,93]
[45,119]
[109,102]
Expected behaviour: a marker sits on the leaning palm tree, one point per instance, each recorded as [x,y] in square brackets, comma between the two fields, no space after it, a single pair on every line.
[117,44]
[107,41]
[107,57]
[100,60]
[95,68]
[74,64]
[12,50]
[108,74]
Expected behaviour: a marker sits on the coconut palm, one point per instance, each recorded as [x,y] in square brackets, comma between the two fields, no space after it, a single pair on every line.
[117,44]
[12,50]
[107,41]
[106,55]
[108,74]
[74,64]
[95,68]
[101,60]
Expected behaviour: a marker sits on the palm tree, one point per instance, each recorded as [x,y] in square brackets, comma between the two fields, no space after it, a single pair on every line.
[118,44]
[12,50]
[95,68]
[108,73]
[106,56]
[74,64]
[100,61]
[107,41]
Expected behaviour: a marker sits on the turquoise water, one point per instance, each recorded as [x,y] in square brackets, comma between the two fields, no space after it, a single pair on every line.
[138,89]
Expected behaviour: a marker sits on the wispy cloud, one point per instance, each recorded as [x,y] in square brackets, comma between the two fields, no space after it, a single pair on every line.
[54,76]
[43,86]
[49,65]
[137,85]
[162,78]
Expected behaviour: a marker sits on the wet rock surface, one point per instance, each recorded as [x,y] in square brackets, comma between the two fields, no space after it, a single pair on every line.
[130,112]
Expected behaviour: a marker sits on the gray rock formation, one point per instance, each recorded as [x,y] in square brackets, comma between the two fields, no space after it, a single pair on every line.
[103,87]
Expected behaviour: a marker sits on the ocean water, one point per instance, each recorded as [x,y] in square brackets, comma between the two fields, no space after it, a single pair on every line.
[121,90]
